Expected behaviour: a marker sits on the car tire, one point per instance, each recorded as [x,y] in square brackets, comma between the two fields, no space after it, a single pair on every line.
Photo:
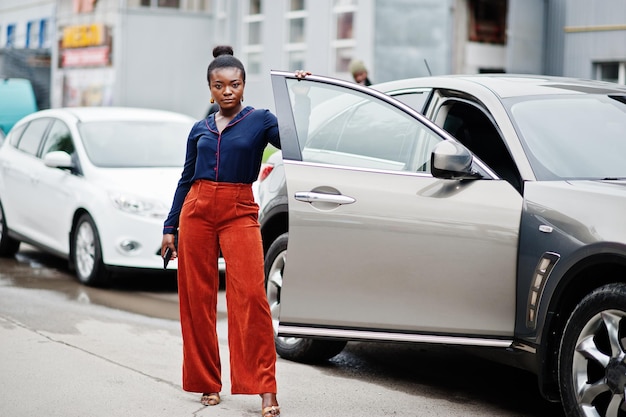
[592,355]
[87,253]
[8,245]
[292,348]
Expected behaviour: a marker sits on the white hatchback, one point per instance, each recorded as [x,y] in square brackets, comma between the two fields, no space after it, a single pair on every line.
[92,185]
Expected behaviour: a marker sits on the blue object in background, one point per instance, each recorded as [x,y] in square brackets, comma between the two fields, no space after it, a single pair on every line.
[17,99]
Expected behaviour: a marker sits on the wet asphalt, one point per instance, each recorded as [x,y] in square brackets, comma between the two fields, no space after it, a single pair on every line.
[70,350]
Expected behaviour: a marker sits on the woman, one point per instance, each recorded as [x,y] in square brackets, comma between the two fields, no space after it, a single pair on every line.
[214,209]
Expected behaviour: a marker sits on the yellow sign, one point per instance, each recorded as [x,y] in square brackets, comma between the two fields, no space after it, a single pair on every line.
[83,35]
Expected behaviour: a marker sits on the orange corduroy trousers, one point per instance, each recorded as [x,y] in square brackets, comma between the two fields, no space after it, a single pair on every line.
[224,215]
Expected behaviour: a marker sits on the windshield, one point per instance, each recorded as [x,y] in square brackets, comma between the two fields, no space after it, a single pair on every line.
[134,144]
[577,137]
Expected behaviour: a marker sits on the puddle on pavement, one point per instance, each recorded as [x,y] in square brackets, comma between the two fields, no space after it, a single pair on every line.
[136,293]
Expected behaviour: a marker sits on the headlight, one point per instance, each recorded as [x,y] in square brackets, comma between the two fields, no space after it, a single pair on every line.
[140,206]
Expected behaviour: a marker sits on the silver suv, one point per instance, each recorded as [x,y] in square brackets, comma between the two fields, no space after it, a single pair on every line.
[489,212]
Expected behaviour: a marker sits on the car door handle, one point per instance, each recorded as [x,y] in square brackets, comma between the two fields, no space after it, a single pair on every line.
[312,197]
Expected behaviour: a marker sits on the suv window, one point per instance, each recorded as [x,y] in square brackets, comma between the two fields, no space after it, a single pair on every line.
[355,129]
[32,136]
[474,129]
[415,98]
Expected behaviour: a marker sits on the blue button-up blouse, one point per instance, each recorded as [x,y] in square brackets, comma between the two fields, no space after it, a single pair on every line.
[234,155]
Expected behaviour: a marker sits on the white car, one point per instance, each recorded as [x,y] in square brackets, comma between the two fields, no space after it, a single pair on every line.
[92,185]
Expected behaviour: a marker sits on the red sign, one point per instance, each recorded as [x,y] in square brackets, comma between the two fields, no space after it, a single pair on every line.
[86,57]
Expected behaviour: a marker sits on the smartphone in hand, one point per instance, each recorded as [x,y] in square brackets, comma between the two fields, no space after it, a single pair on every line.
[167,257]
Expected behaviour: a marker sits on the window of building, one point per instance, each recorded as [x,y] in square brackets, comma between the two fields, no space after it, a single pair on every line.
[255,7]
[161,3]
[37,34]
[222,26]
[169,3]
[344,12]
[255,34]
[296,60]
[487,21]
[253,27]
[190,5]
[31,35]
[345,25]
[255,62]
[198,5]
[296,5]
[297,30]
[10,36]
[614,72]
[44,34]
[296,34]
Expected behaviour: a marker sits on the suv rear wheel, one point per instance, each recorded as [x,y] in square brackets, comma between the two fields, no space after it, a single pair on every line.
[592,359]
[292,348]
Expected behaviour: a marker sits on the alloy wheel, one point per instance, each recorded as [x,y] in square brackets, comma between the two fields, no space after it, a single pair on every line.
[599,366]
[592,358]
[85,249]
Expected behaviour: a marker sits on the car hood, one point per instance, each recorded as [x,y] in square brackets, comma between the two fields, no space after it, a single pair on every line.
[151,183]
[588,211]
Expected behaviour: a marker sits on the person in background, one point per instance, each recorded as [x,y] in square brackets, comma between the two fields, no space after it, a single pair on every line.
[359,72]
[213,209]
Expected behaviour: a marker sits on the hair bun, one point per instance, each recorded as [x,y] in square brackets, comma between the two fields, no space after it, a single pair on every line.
[223,50]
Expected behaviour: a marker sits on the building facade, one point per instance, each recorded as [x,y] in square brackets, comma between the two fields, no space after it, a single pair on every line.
[26,37]
[154,53]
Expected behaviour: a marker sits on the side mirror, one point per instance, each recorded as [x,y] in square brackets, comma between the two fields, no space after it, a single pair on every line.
[58,159]
[452,161]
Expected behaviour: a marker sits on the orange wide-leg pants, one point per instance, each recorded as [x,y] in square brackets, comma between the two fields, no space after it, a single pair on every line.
[224,215]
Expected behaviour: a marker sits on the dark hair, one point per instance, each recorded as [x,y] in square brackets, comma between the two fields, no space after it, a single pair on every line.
[224,58]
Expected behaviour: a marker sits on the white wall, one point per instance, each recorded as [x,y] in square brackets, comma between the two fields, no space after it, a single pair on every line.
[525,36]
[483,56]
[163,61]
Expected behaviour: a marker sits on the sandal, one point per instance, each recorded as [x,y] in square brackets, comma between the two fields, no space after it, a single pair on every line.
[212,398]
[271,411]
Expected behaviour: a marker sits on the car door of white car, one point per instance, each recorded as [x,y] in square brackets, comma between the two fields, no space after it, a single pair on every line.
[20,170]
[57,187]
[379,248]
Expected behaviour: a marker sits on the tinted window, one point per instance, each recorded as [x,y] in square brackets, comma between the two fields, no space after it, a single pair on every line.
[33,135]
[350,128]
[475,129]
[59,139]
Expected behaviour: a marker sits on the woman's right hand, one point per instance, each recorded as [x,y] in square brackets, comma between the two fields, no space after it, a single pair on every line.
[169,242]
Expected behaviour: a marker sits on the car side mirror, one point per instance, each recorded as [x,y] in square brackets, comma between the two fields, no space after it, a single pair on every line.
[58,159]
[452,161]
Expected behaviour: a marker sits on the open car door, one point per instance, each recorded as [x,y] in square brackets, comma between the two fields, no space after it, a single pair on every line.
[379,248]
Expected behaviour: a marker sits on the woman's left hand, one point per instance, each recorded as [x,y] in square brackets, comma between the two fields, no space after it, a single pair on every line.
[302,73]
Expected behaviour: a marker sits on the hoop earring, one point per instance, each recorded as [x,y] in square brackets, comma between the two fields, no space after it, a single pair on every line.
[242,99]
[212,100]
